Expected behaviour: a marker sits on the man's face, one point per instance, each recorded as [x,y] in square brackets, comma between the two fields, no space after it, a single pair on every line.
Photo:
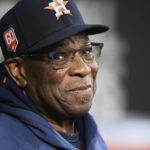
[67,92]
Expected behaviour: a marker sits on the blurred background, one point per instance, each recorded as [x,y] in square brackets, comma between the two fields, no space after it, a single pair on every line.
[121,105]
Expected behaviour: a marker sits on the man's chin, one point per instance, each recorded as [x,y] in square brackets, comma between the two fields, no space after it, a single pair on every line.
[83,99]
[80,110]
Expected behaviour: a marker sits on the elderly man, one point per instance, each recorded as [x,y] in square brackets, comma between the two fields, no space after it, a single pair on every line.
[48,78]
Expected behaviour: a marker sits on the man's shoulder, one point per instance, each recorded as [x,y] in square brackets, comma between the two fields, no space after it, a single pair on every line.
[13,134]
[11,142]
[8,122]
[7,141]
[7,138]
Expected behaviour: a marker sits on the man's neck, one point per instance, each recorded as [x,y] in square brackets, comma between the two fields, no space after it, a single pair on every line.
[66,125]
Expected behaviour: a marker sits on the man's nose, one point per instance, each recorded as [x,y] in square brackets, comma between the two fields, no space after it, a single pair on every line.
[79,67]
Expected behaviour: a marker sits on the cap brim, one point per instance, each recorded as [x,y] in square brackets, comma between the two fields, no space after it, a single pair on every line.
[95,29]
[60,35]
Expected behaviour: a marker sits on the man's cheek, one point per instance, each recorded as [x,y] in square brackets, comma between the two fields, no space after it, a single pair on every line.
[55,76]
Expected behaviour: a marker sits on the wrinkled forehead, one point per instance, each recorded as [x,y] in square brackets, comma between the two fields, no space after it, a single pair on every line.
[74,41]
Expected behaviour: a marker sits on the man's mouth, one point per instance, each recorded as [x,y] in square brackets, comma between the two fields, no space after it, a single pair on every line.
[80,89]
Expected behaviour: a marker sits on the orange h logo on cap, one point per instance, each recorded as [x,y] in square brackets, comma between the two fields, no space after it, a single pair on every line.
[60,7]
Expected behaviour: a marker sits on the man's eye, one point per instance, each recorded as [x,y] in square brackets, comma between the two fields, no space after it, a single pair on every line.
[88,54]
[87,51]
[57,55]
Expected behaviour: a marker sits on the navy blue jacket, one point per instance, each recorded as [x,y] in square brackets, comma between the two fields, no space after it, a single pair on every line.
[22,127]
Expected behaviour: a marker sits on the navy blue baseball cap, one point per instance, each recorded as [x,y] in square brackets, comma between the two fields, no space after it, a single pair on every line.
[34,24]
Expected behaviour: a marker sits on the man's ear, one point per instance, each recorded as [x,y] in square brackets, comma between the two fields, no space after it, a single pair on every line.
[16,69]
